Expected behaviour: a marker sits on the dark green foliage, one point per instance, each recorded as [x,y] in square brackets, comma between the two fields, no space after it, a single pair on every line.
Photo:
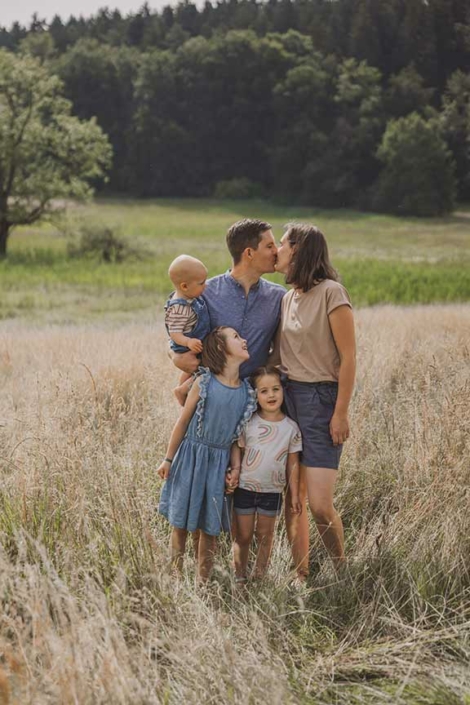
[407,93]
[292,95]
[418,172]
[237,189]
[99,81]
[455,122]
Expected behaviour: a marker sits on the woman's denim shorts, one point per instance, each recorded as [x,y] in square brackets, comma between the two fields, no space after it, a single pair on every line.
[311,406]
[250,502]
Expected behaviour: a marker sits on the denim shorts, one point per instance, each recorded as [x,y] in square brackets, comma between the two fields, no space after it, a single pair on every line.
[249,502]
[311,405]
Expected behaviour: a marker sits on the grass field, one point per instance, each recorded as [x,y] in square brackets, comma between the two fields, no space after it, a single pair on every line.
[89,614]
[381,259]
[88,611]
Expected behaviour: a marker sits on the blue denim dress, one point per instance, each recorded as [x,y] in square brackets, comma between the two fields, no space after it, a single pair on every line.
[203,324]
[193,495]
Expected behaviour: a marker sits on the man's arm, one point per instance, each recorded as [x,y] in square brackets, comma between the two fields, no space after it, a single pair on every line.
[186,362]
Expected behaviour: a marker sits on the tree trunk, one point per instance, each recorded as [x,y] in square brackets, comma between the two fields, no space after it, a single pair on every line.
[4,232]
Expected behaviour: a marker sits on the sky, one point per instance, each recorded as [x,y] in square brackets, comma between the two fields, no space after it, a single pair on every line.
[22,10]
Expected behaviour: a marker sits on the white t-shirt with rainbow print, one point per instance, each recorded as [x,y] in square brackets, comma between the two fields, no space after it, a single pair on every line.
[267,444]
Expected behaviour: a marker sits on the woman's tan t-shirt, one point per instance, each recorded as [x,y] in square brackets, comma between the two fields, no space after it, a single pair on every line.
[307,347]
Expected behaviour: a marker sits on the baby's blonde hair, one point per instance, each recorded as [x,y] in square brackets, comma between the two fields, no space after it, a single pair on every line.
[185,268]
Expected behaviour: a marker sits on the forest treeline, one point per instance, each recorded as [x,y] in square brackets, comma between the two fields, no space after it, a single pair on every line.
[323,102]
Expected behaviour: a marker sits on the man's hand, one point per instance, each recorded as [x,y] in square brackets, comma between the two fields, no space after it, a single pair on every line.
[295,504]
[194,345]
[164,469]
[339,429]
[186,362]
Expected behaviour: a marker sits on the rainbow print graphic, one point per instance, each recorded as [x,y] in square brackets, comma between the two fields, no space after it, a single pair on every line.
[282,457]
[266,432]
[250,485]
[251,460]
[278,478]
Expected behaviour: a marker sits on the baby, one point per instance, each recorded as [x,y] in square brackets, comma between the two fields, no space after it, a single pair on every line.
[186,315]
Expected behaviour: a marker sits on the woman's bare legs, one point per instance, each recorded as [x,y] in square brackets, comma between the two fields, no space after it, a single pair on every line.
[297,529]
[206,552]
[177,548]
[320,488]
[244,531]
[265,526]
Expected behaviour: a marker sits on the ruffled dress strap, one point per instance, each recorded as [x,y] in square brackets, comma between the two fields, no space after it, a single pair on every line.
[250,408]
[204,377]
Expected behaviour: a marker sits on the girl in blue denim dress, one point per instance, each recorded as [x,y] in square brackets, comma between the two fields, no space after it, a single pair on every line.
[198,454]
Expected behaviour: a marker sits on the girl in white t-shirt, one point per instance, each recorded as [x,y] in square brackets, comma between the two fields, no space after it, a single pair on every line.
[263,461]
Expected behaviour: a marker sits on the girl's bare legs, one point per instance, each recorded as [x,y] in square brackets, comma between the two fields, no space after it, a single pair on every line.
[297,528]
[265,526]
[196,535]
[244,531]
[206,552]
[177,548]
[320,487]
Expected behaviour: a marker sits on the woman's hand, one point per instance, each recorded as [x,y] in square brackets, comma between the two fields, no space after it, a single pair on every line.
[339,428]
[164,469]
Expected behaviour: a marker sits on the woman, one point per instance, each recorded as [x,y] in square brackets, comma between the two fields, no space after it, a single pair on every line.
[317,351]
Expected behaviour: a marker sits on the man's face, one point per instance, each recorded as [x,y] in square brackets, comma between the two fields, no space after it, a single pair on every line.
[263,259]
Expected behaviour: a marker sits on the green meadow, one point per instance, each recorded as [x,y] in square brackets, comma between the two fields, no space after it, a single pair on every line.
[381,259]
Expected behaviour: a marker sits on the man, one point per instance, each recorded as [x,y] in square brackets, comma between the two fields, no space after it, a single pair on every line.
[241,298]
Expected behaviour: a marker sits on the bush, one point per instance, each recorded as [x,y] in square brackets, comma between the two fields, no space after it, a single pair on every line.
[238,189]
[103,243]
[418,172]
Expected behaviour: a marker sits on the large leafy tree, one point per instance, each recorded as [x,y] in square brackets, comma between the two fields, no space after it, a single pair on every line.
[46,154]
[418,170]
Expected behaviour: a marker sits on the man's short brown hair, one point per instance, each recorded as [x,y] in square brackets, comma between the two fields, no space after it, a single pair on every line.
[245,233]
[214,350]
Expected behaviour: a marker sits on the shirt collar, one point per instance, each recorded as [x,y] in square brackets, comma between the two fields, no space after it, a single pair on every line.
[233,281]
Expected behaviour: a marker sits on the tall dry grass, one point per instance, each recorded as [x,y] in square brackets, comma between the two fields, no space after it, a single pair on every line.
[89,613]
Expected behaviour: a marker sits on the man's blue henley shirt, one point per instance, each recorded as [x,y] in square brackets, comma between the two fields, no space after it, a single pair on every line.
[255,317]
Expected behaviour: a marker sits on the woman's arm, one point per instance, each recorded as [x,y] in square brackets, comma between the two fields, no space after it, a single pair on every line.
[275,354]
[342,327]
[179,429]
[293,481]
